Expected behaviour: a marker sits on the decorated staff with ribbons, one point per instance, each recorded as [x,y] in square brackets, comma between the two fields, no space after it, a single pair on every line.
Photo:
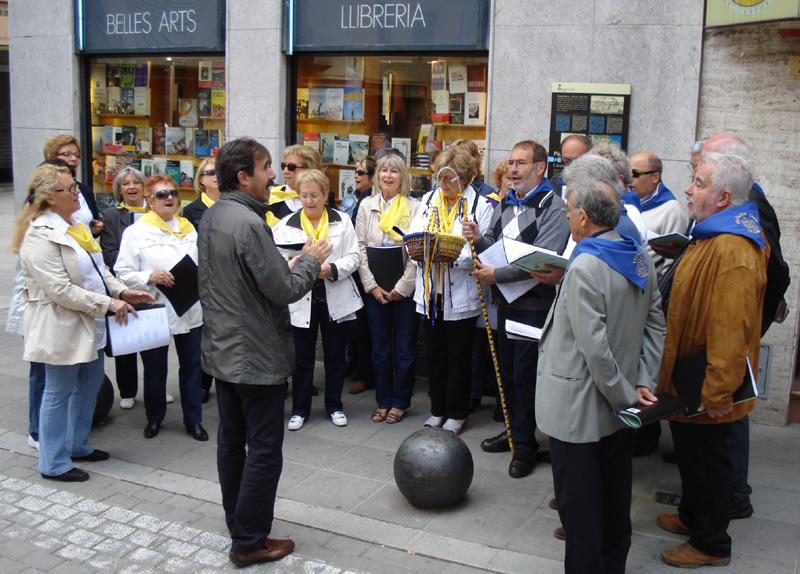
[149,249]
[388,276]
[600,352]
[332,301]
[715,307]
[445,293]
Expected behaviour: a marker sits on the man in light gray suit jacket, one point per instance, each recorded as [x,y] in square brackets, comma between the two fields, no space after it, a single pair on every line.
[600,352]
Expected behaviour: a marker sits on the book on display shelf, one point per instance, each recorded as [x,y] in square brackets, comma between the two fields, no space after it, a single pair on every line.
[326,145]
[476,78]
[426,132]
[136,163]
[377,142]
[189,141]
[141,101]
[127,139]
[187,112]
[174,171]
[456,108]
[311,139]
[113,134]
[204,74]
[98,133]
[359,147]
[316,103]
[112,76]
[159,165]
[159,140]
[114,100]
[204,102]
[187,173]
[142,75]
[403,145]
[175,141]
[127,74]
[127,99]
[111,168]
[104,200]
[341,150]
[441,106]
[334,103]
[353,104]
[218,75]
[302,104]
[201,147]
[439,75]
[458,78]
[475,109]
[217,103]
[147,167]
[347,182]
[215,140]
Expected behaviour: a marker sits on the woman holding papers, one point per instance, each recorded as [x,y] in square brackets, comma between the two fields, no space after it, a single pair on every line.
[388,276]
[69,291]
[333,300]
[150,249]
[446,295]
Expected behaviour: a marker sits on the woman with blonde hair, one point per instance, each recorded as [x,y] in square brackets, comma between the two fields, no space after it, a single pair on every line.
[69,291]
[207,187]
[283,199]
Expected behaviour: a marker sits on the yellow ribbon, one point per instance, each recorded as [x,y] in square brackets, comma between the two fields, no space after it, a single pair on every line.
[207,201]
[84,238]
[398,214]
[152,218]
[133,209]
[447,215]
[279,193]
[272,221]
[321,232]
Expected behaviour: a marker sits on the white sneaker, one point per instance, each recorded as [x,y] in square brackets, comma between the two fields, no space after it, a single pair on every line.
[453,425]
[434,422]
[170,399]
[126,404]
[339,419]
[296,422]
[33,443]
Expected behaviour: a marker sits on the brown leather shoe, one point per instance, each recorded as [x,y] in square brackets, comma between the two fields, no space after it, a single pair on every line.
[273,550]
[687,556]
[553,504]
[672,523]
[560,533]
[357,388]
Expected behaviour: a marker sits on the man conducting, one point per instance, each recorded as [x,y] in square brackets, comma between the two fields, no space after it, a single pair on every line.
[599,353]
[715,308]
[247,346]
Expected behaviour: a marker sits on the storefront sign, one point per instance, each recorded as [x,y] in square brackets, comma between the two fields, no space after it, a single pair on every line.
[150,25]
[353,25]
[738,12]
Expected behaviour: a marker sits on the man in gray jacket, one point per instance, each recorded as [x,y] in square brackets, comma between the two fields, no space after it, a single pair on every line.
[600,351]
[247,345]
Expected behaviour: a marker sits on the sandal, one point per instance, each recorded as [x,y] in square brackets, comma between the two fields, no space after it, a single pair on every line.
[395,416]
[379,415]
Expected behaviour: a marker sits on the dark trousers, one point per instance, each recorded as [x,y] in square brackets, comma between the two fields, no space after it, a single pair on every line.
[593,489]
[739,449]
[36,379]
[394,328]
[207,381]
[127,375]
[189,375]
[705,468]
[305,344]
[448,352]
[518,362]
[359,344]
[249,459]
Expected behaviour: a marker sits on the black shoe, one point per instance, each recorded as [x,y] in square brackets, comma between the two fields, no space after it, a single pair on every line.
[498,414]
[542,456]
[669,457]
[151,430]
[746,512]
[314,391]
[497,443]
[94,456]
[72,475]
[206,396]
[644,448]
[197,431]
[521,466]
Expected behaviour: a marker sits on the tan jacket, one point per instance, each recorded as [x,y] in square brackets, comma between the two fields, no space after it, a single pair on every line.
[59,319]
[369,234]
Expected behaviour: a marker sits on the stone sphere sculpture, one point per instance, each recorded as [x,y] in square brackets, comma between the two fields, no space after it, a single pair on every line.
[433,468]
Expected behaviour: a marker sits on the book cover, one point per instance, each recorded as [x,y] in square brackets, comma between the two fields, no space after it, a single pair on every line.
[98,133]
[311,139]
[174,171]
[187,173]
[378,142]
[114,103]
[111,168]
[189,141]
[159,165]
[112,76]
[104,200]
[97,88]
[187,112]
[475,105]
[112,135]
[136,163]
[99,169]
[359,147]
[201,147]
[426,132]
[316,103]
[353,104]
[326,145]
[531,258]
[334,103]
[159,140]
[204,102]
[218,75]
[456,108]
[458,78]
[141,101]
[127,74]
[127,98]
[127,139]
[347,182]
[439,75]
[214,141]
[403,145]
[97,76]
[142,74]
[441,107]
[147,167]
[204,74]
[420,183]
[217,103]
[476,78]
[341,150]
[302,103]
[175,141]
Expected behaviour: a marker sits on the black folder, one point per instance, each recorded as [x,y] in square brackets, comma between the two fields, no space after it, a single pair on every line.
[386,265]
[184,294]
[638,415]
[689,374]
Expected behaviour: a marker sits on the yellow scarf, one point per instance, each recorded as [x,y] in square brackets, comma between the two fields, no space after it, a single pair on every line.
[272,221]
[142,209]
[494,196]
[84,238]
[446,215]
[152,218]
[398,214]
[319,234]
[207,201]
[279,193]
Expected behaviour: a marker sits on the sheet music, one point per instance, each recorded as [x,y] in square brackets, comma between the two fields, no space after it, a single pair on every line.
[149,330]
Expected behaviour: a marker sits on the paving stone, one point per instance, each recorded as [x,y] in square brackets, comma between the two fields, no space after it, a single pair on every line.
[137,569]
[115,530]
[15,484]
[146,539]
[14,550]
[29,518]
[181,532]
[65,498]
[177,565]
[153,495]
[56,526]
[105,562]
[84,520]
[213,540]
[33,503]
[39,490]
[75,553]
[18,532]
[43,561]
[119,514]
[178,548]
[211,557]
[150,523]
[8,510]
[84,538]
[114,548]
[46,542]
[72,568]
[145,557]
[91,506]
[60,511]
[8,496]
[8,565]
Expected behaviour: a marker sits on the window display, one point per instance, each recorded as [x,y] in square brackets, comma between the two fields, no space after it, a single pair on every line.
[159,115]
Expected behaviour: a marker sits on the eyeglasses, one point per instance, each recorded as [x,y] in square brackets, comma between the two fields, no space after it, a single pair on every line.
[635,173]
[165,193]
[208,172]
[72,188]
[312,197]
[521,162]
[69,154]
[361,173]
[291,166]
[565,161]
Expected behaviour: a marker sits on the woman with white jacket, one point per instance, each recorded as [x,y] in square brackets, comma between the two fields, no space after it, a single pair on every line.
[149,248]
[333,300]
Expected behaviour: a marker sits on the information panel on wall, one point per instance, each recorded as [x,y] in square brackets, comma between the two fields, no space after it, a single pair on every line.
[597,111]
[109,26]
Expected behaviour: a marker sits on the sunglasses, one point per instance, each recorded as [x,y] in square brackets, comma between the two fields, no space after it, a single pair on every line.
[635,173]
[165,193]
[291,166]
[361,173]
[209,172]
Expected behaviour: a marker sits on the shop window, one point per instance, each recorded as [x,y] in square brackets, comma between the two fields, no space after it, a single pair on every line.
[348,107]
[159,115]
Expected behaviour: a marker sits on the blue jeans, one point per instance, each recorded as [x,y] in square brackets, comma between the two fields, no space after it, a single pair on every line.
[66,415]
[189,379]
[35,391]
[396,320]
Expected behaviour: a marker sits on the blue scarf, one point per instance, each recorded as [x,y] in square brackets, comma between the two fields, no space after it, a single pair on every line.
[512,198]
[740,220]
[625,257]
[632,198]
[659,197]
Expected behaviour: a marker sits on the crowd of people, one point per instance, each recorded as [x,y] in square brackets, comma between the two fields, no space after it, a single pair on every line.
[278,264]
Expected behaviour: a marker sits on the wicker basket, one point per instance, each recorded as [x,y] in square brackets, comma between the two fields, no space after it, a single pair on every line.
[447,245]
